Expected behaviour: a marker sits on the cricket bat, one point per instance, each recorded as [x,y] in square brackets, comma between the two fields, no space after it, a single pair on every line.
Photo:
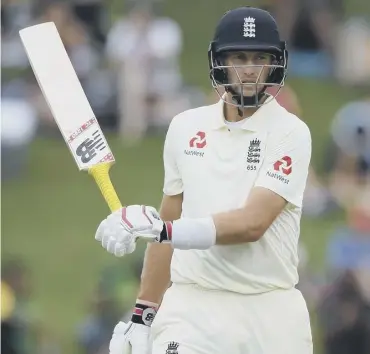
[69,105]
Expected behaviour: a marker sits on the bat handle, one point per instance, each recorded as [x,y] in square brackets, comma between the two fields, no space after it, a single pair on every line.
[100,173]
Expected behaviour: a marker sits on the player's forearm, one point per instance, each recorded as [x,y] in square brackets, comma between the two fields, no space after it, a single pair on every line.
[237,226]
[233,227]
[247,224]
[155,277]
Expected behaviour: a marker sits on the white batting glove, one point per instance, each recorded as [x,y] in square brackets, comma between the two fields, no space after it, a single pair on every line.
[130,338]
[119,232]
[133,337]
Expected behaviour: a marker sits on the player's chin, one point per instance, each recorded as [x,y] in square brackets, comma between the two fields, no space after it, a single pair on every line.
[249,91]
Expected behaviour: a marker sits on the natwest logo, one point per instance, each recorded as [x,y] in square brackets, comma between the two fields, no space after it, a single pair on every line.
[198,141]
[284,165]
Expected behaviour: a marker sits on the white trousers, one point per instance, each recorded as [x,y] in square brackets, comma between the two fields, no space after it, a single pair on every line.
[193,320]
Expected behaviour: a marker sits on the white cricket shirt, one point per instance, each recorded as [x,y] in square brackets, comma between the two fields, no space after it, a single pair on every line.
[216,166]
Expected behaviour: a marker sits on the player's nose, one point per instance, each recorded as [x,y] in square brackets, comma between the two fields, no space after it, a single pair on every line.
[251,73]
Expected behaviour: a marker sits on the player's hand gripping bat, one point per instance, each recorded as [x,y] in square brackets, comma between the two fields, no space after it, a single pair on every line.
[69,105]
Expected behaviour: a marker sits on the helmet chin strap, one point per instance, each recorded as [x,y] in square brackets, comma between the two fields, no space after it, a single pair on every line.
[243,101]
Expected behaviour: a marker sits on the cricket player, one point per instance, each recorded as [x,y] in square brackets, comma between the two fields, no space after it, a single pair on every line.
[226,234]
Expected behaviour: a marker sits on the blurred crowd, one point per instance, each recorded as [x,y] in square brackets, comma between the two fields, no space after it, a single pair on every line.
[130,71]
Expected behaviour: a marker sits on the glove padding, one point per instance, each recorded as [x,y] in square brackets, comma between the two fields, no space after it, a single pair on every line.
[119,232]
[130,338]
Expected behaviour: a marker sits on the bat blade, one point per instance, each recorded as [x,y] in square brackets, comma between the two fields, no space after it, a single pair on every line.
[69,105]
[65,96]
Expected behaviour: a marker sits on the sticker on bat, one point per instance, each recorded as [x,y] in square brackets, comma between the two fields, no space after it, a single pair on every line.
[87,149]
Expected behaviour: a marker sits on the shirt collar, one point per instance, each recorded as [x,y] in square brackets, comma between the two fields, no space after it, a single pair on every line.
[253,123]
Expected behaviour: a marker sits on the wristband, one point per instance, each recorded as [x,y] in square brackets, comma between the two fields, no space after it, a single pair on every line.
[144,312]
[186,233]
[197,234]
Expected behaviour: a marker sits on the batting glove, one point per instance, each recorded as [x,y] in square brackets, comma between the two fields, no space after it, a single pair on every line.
[119,232]
[133,337]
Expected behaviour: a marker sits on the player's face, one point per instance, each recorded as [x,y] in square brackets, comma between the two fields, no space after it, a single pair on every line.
[248,68]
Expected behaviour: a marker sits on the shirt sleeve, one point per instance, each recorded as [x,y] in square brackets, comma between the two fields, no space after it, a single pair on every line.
[172,177]
[286,164]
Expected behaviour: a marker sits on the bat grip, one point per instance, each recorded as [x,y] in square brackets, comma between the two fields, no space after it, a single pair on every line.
[100,173]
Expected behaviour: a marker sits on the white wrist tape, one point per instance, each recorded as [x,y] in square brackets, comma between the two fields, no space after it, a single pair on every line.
[197,234]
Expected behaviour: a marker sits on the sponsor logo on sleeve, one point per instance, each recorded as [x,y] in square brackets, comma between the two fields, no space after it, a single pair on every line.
[282,169]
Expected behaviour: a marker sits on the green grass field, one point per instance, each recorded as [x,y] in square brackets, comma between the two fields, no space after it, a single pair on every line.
[50,215]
